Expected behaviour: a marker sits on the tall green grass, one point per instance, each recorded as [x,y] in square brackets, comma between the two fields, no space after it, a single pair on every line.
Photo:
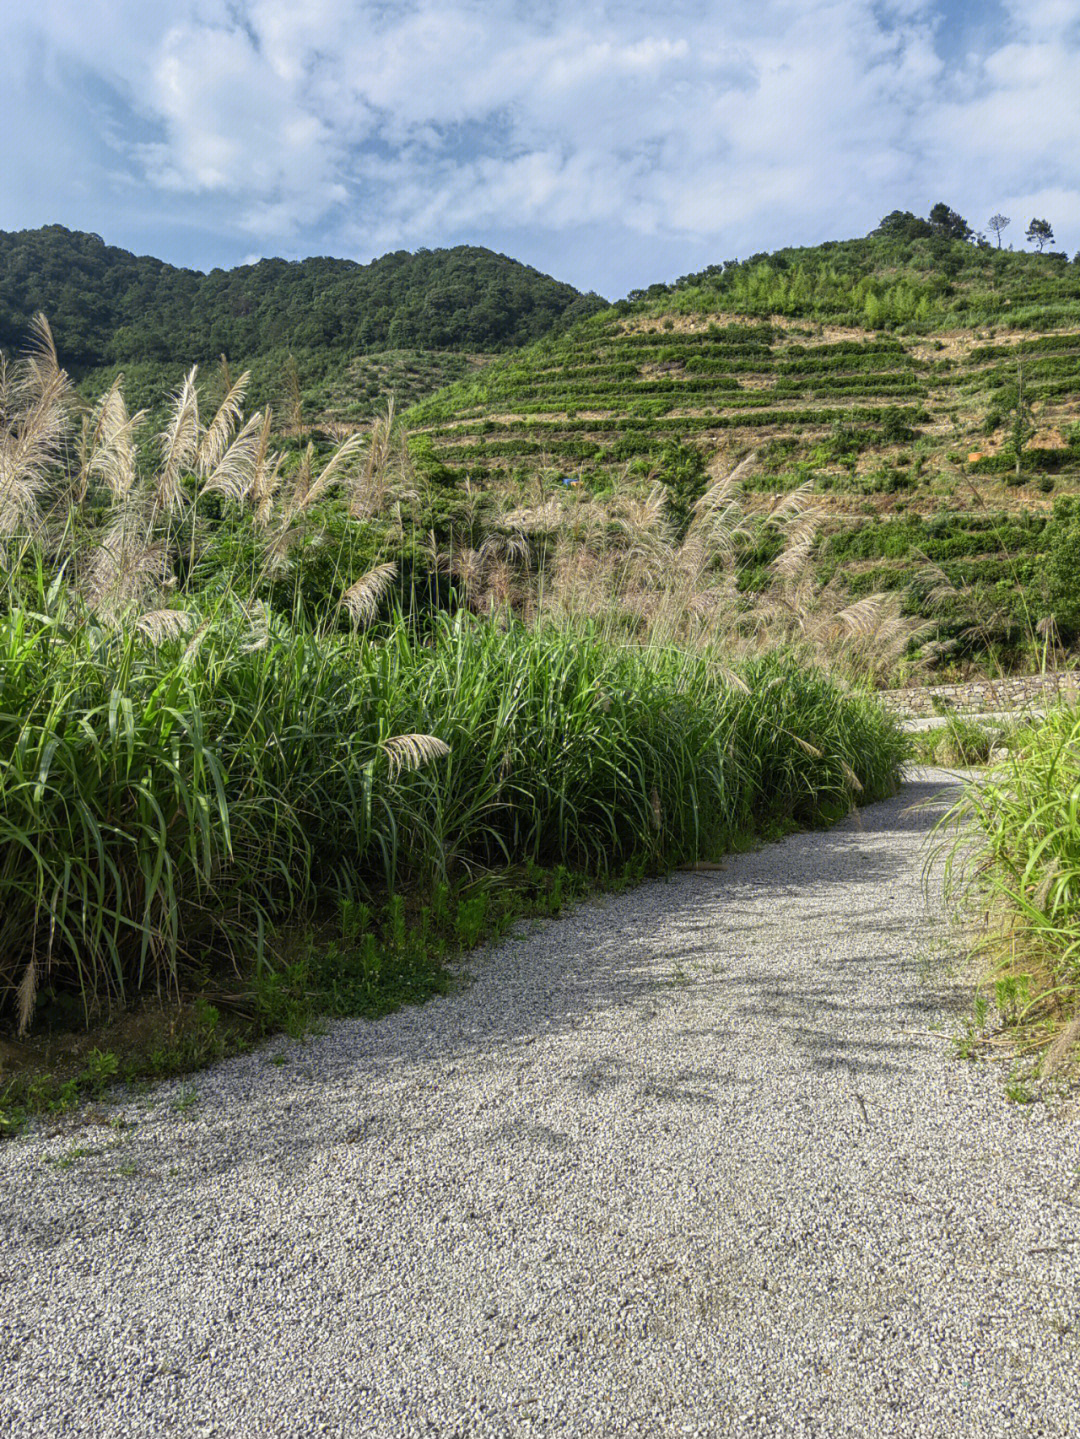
[1018,854]
[162,805]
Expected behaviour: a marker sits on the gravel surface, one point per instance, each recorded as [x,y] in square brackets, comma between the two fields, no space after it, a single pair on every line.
[692,1160]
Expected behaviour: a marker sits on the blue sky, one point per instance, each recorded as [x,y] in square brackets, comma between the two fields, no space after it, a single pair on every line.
[610,144]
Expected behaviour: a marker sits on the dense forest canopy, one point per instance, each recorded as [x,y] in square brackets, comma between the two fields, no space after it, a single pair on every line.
[108,306]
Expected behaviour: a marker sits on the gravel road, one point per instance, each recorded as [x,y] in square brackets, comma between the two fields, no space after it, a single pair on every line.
[692,1160]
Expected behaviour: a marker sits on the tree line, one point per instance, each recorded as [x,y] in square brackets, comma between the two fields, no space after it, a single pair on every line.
[945,223]
[108,306]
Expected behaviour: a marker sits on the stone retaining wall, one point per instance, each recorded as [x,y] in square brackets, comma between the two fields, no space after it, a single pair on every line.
[1020,692]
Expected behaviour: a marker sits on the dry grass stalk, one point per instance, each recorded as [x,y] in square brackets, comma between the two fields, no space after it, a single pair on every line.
[333,472]
[215,439]
[1064,1051]
[301,479]
[35,407]
[234,472]
[26,996]
[258,635]
[368,488]
[194,644]
[467,567]
[266,475]
[718,521]
[129,565]
[939,589]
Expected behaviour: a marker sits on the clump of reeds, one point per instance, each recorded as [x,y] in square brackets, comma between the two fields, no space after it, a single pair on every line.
[1017,856]
[167,800]
[958,742]
[626,563]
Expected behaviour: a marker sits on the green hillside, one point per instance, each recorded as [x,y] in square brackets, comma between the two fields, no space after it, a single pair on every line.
[926,391]
[107,306]
[306,389]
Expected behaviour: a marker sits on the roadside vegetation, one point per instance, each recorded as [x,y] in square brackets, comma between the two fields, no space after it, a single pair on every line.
[1016,863]
[285,726]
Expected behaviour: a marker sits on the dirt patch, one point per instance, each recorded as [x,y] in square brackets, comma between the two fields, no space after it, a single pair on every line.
[699,324]
[958,344]
[1049,440]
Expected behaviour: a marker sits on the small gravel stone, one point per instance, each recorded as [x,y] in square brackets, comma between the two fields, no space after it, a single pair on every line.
[692,1160]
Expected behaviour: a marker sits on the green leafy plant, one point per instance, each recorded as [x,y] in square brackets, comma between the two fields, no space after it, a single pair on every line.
[1017,856]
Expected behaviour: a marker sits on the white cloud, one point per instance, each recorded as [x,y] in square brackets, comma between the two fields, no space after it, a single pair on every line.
[701,128]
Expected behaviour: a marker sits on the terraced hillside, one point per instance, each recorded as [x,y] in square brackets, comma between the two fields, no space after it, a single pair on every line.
[956,445]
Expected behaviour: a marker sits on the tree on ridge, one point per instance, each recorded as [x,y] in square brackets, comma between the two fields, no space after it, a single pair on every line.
[948,223]
[997,223]
[1040,232]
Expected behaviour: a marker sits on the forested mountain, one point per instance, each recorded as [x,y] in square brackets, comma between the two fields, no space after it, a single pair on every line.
[108,306]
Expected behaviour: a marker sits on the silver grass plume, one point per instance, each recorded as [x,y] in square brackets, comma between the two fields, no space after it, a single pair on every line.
[794,505]
[161,625]
[112,455]
[179,444]
[35,404]
[301,480]
[215,440]
[411,751]
[940,590]
[332,471]
[280,544]
[718,521]
[234,472]
[266,479]
[41,378]
[128,566]
[258,634]
[863,617]
[467,568]
[361,600]
[642,518]
[194,644]
[367,488]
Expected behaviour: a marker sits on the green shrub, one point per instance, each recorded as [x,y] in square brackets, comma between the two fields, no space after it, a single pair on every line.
[958,743]
[1061,568]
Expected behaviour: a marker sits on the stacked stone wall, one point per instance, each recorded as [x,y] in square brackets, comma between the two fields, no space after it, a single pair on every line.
[1004,696]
